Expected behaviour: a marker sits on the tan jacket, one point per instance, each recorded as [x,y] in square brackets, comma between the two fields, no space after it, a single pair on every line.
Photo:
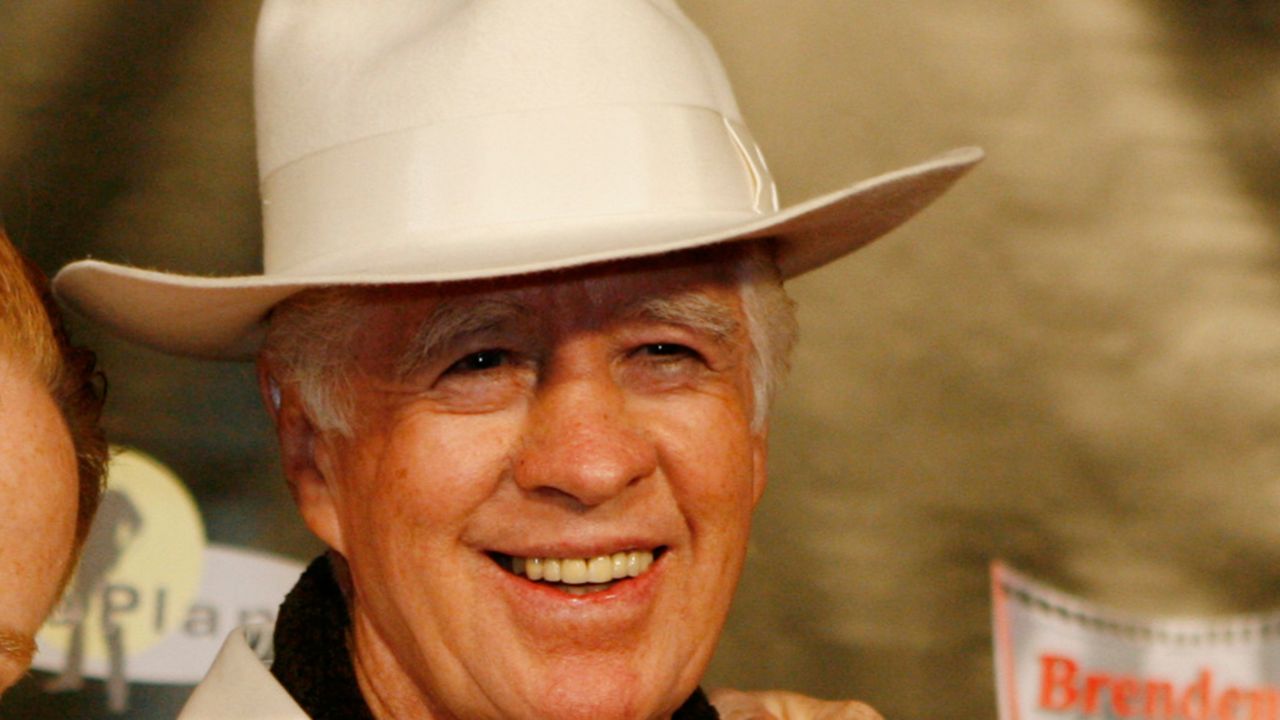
[239,686]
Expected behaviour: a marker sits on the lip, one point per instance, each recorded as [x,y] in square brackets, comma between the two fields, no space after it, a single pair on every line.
[538,603]
[578,549]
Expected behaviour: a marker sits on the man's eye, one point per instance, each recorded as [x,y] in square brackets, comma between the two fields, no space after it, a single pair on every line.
[669,350]
[478,361]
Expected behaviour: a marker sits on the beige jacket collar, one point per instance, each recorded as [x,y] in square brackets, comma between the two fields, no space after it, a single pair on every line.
[239,685]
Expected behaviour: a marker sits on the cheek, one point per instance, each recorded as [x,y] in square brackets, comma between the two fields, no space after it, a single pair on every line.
[426,476]
[708,455]
[38,496]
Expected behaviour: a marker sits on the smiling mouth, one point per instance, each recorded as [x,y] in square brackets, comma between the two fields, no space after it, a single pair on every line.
[580,576]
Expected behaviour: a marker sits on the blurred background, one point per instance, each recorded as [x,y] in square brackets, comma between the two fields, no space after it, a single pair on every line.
[1072,362]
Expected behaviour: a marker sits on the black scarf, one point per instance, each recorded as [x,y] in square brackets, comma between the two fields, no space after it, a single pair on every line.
[313,664]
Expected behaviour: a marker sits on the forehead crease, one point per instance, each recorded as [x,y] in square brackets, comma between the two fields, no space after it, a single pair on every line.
[696,310]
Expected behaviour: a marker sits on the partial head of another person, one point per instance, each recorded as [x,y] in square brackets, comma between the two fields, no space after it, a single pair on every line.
[54,458]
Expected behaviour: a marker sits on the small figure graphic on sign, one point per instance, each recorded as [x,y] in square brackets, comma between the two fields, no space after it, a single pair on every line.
[117,525]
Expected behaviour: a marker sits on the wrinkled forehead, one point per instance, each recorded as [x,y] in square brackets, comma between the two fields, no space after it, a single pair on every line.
[698,290]
[599,282]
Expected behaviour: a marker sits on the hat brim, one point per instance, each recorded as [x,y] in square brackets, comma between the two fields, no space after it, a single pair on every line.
[222,317]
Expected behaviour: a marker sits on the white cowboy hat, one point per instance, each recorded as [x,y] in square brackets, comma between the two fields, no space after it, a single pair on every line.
[420,141]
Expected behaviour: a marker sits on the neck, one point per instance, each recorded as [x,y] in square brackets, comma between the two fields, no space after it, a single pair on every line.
[389,691]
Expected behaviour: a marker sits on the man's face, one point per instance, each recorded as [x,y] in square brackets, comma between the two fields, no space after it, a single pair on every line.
[38,497]
[602,416]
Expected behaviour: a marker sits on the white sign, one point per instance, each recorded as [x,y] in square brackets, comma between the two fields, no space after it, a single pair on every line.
[151,601]
[1058,657]
[238,586]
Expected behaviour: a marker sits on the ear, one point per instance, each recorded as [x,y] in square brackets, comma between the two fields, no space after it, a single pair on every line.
[759,463]
[306,455]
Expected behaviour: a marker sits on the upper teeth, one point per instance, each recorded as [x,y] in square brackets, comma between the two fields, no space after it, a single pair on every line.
[578,571]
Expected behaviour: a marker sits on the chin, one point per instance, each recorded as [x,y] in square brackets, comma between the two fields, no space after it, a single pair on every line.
[570,702]
[597,694]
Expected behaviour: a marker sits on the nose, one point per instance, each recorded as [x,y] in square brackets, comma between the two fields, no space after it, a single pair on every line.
[581,441]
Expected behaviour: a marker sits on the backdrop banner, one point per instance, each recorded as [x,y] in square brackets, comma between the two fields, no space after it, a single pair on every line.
[1058,656]
[149,606]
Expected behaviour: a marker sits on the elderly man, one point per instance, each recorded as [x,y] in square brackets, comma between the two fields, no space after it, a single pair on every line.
[54,454]
[519,325]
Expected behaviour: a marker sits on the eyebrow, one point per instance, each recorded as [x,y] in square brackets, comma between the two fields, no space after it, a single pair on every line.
[695,311]
[455,320]
[20,646]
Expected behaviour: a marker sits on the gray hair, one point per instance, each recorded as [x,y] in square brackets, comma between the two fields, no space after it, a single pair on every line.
[771,326]
[311,337]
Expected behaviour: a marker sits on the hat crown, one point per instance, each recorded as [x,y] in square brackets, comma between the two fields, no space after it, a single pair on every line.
[466,137]
[411,141]
[333,72]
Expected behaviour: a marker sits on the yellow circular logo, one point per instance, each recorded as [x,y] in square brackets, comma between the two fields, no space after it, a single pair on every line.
[139,572]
